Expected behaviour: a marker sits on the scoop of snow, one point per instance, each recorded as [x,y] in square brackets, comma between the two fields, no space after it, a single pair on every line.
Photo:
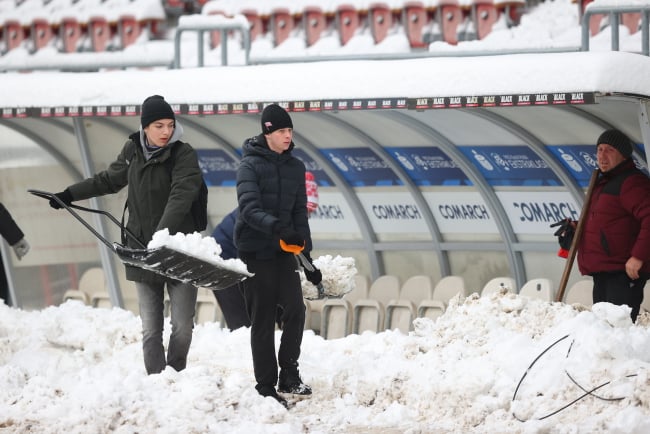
[338,276]
[205,248]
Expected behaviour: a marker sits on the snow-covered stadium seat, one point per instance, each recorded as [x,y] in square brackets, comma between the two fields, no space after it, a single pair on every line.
[381,21]
[70,34]
[540,288]
[484,15]
[414,20]
[498,284]
[100,33]
[401,312]
[347,22]
[449,16]
[337,314]
[282,24]
[256,21]
[314,24]
[40,33]
[13,34]
[101,299]
[448,287]
[369,313]
[76,294]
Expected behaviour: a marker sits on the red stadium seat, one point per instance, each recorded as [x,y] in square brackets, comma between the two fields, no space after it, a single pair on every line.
[631,21]
[13,35]
[256,22]
[449,16]
[484,14]
[415,18]
[512,10]
[174,7]
[594,21]
[100,33]
[281,25]
[128,29]
[41,33]
[381,21]
[215,36]
[347,22]
[69,34]
[315,23]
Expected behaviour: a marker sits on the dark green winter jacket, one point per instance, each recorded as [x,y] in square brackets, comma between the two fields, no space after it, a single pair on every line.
[271,193]
[8,227]
[160,192]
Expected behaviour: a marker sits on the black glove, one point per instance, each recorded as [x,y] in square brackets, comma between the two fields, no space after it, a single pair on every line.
[565,232]
[315,277]
[290,236]
[65,196]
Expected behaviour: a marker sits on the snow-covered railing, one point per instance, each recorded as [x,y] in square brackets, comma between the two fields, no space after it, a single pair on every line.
[614,12]
[211,23]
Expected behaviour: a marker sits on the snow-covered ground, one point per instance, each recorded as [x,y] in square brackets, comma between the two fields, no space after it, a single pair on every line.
[78,369]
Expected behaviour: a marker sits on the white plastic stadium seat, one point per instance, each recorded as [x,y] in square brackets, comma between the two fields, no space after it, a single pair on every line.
[93,280]
[580,292]
[497,284]
[336,314]
[369,313]
[76,294]
[541,289]
[448,287]
[400,313]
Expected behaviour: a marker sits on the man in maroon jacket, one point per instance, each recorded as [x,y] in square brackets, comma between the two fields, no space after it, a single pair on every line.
[615,246]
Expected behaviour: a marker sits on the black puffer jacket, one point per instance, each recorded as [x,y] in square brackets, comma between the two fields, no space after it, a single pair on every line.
[160,192]
[271,193]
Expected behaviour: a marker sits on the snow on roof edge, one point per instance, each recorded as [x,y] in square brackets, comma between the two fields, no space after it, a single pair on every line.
[600,72]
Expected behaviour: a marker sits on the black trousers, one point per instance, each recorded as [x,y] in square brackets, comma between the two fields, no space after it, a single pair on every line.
[617,288]
[276,283]
[233,306]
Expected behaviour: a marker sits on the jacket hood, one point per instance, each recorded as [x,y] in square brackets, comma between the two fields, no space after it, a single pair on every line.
[257,145]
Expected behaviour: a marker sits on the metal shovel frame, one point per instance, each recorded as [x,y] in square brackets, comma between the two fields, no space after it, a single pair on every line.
[162,260]
[297,250]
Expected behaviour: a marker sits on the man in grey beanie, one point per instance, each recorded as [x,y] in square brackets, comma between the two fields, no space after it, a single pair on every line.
[615,246]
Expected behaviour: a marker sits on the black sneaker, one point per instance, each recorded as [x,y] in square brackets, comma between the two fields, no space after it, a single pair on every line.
[270,391]
[290,382]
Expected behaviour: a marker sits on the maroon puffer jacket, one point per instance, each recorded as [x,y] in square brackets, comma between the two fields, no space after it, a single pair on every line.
[617,223]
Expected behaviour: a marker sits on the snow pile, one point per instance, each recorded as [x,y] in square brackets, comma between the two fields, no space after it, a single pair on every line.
[78,369]
[205,248]
[338,276]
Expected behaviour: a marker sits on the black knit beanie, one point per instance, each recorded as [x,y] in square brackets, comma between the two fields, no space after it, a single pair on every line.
[153,108]
[617,140]
[274,118]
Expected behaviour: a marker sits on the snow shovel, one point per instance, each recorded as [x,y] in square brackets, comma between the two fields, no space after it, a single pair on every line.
[162,260]
[576,237]
[297,250]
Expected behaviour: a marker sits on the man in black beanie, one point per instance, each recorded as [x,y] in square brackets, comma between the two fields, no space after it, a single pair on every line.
[615,246]
[164,179]
[272,203]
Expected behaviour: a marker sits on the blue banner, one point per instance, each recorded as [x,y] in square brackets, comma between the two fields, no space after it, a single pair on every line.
[429,166]
[312,166]
[579,160]
[218,168]
[361,167]
[511,166]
